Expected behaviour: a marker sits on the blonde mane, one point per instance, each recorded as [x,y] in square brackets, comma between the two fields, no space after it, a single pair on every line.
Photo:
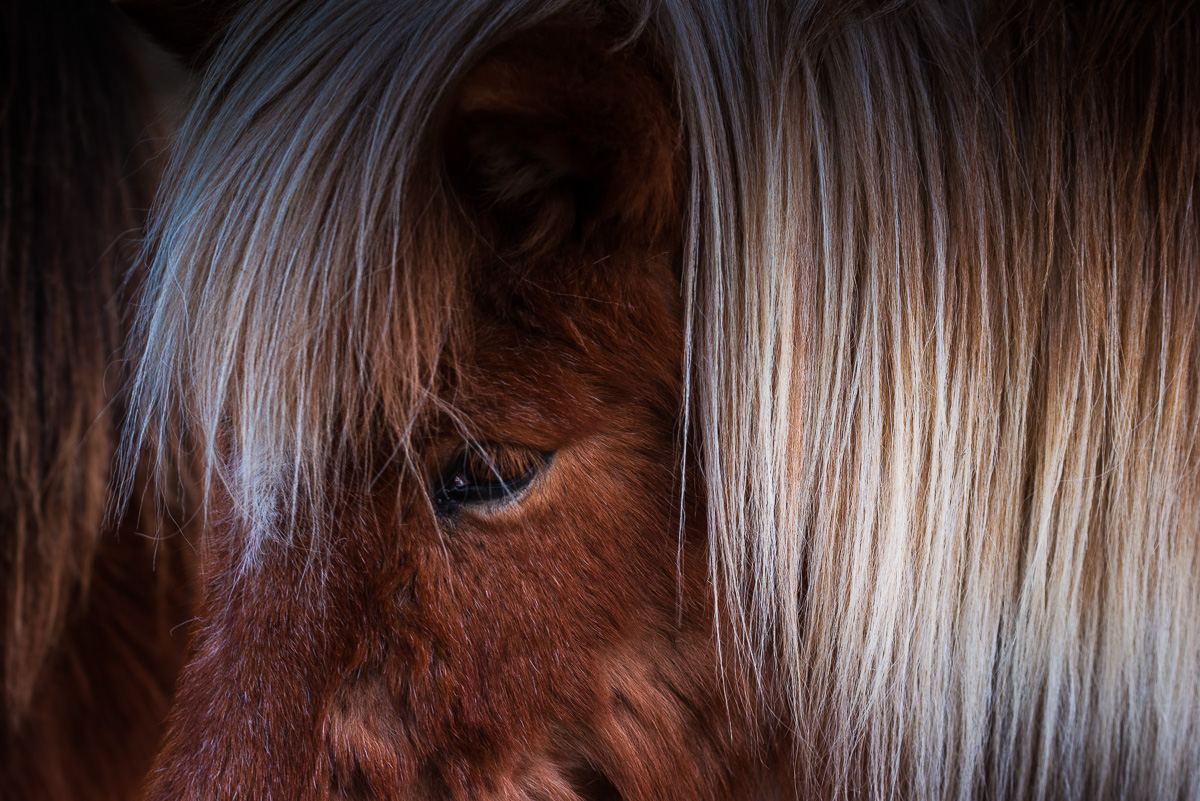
[941,282]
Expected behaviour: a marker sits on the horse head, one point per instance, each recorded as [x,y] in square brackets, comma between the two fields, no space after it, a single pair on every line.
[504,589]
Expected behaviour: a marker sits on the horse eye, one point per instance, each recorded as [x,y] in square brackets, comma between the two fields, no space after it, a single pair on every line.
[482,472]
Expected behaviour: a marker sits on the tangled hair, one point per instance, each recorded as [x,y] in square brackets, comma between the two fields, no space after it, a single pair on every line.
[940,274]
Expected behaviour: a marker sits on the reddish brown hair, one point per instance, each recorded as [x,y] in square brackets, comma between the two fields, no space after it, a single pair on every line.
[87,603]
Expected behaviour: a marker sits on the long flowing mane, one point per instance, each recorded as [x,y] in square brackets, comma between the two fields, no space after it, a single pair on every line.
[934,390]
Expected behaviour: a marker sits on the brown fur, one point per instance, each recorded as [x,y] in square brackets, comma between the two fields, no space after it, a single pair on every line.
[851,349]
[88,607]
[533,653]
[929,497]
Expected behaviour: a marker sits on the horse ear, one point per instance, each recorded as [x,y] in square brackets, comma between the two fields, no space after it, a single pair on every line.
[191,29]
[559,137]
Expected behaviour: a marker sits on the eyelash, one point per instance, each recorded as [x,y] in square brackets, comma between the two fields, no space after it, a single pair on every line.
[482,472]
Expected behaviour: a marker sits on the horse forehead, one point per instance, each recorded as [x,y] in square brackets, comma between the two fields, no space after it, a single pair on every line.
[574,304]
[569,339]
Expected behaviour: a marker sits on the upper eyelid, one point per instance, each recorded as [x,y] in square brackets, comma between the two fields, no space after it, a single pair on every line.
[496,458]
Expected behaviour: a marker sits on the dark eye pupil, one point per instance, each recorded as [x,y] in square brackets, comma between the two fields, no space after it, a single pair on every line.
[481,473]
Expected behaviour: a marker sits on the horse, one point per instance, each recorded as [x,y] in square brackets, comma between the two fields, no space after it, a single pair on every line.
[88,602]
[585,400]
